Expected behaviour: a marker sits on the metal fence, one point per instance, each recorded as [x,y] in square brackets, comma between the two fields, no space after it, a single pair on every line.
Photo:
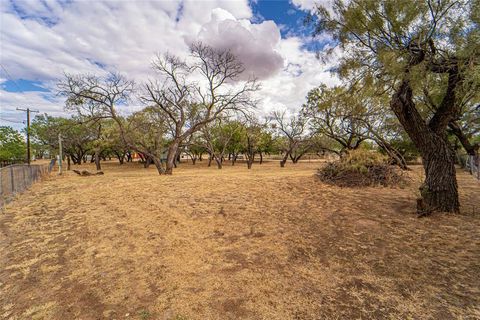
[18,177]
[473,165]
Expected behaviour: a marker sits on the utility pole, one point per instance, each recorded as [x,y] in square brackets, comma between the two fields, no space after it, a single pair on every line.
[28,111]
[60,155]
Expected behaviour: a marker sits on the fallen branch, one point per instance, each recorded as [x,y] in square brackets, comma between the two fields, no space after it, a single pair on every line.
[86,173]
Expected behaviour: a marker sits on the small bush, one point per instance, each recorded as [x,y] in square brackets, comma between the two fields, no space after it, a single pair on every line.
[361,168]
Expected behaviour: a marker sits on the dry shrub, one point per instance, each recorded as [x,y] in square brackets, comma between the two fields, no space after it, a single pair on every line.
[360,168]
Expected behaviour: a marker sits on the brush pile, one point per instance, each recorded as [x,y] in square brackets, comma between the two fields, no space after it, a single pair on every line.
[360,168]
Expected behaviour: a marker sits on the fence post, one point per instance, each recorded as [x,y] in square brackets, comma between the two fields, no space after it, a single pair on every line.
[24,178]
[12,179]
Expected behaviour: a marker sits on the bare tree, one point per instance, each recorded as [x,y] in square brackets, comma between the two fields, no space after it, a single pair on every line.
[98,98]
[190,105]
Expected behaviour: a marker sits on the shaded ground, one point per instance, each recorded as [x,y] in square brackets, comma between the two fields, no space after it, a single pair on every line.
[269,243]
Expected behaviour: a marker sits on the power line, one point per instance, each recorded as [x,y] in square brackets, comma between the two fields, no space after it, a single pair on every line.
[10,78]
[3,119]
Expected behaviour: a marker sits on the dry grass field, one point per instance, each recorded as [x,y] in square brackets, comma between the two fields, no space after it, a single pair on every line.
[268,243]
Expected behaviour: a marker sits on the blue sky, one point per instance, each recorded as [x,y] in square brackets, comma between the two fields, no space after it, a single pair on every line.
[40,40]
[285,14]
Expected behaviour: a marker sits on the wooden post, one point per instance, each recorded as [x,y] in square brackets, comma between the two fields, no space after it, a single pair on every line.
[12,181]
[60,154]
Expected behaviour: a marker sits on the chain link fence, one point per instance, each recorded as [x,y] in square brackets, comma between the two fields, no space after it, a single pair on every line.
[17,178]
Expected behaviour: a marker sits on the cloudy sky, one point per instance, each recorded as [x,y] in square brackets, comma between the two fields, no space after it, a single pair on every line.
[43,39]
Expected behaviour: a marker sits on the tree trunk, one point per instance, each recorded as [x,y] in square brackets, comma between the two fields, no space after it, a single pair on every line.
[439,191]
[261,157]
[219,162]
[234,159]
[68,162]
[158,165]
[74,158]
[249,163]
[210,160]
[251,158]
[97,159]
[120,157]
[171,156]
[147,162]
[284,160]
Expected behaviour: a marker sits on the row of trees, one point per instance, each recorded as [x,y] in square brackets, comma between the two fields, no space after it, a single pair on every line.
[410,82]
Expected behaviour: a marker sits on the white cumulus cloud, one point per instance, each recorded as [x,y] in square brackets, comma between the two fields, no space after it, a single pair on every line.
[40,40]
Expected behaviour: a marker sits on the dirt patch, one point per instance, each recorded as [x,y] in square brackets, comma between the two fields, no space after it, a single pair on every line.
[266,243]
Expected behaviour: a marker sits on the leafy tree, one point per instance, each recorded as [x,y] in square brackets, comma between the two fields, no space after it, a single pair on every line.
[416,51]
[12,145]
[253,131]
[296,138]
[336,114]
[76,136]
[195,147]
[217,136]
[146,132]
[266,144]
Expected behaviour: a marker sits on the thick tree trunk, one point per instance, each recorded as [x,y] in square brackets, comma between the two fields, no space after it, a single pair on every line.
[439,191]
[234,159]
[261,158]
[171,156]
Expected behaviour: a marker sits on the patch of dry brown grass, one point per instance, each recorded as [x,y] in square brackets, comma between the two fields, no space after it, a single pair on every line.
[269,243]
